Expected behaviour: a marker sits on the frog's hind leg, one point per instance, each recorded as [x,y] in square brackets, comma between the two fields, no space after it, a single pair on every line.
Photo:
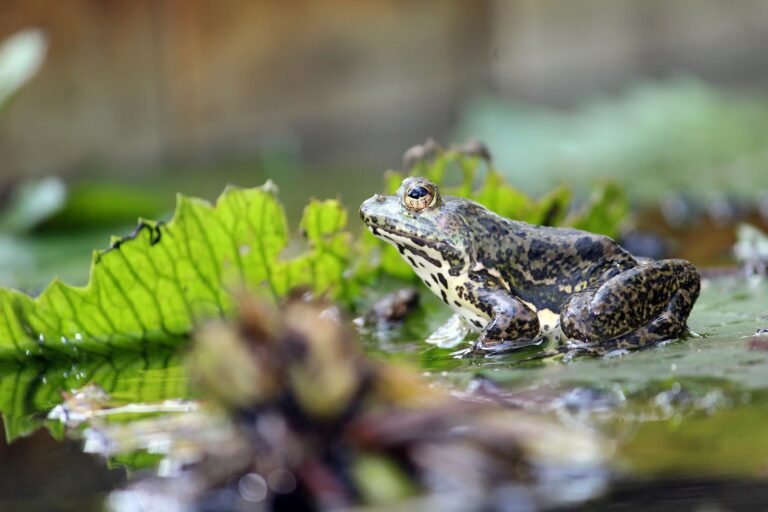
[668,325]
[641,306]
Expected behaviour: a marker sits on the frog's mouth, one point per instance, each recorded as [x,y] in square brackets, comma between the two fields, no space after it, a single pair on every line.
[386,231]
[427,251]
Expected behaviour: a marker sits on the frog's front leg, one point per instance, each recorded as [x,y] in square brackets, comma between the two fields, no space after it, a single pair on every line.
[512,323]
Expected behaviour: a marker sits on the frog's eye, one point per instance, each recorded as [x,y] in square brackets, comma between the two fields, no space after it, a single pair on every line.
[419,196]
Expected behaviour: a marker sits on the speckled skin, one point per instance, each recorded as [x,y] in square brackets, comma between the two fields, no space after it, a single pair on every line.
[512,280]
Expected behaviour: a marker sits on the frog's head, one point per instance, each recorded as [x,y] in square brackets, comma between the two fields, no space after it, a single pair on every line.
[427,228]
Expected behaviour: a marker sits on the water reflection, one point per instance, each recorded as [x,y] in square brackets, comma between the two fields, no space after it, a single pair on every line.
[41,473]
[28,392]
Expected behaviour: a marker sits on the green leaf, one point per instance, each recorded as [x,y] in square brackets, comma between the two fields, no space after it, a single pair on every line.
[21,56]
[605,211]
[50,205]
[151,287]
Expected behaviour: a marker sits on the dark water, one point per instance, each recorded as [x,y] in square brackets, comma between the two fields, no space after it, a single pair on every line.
[678,495]
[40,473]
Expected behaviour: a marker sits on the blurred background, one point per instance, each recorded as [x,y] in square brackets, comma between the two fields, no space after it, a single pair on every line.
[138,99]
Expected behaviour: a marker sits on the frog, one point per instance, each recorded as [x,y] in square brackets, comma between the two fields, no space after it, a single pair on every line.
[514,283]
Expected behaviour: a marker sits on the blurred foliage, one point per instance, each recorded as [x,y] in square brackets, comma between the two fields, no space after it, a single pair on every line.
[751,249]
[677,135]
[100,205]
[463,174]
[27,262]
[49,205]
[30,203]
[21,56]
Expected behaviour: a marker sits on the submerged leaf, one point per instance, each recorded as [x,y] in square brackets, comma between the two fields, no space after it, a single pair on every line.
[152,286]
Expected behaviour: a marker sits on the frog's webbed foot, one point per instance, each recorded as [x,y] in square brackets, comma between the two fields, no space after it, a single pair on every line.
[642,306]
[504,347]
[451,333]
[572,349]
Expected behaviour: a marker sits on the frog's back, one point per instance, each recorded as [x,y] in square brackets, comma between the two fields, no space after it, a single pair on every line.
[545,265]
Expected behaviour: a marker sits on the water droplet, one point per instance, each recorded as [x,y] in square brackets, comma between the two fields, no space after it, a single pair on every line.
[252,487]
[78,336]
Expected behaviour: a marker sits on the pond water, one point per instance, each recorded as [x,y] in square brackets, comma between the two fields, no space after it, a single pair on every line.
[686,419]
